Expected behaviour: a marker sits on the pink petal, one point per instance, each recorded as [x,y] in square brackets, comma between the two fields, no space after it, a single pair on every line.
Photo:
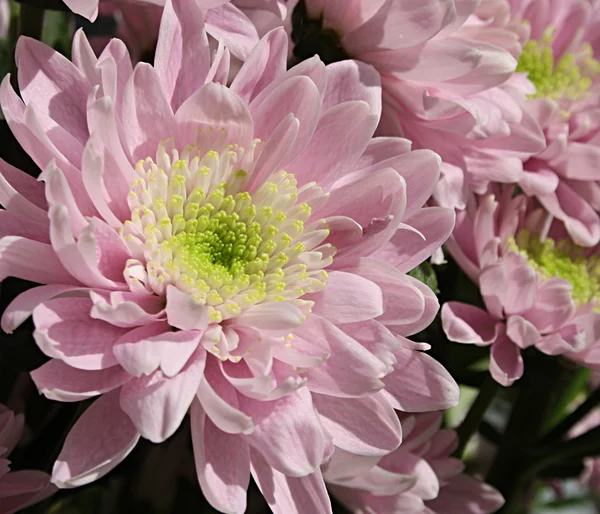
[352,80]
[79,258]
[399,24]
[522,332]
[290,495]
[266,63]
[522,284]
[465,323]
[340,137]
[467,495]
[419,383]
[222,463]
[506,363]
[278,318]
[22,306]
[403,303]
[86,8]
[59,381]
[554,305]
[351,370]
[64,330]
[348,298]
[54,85]
[231,25]
[295,95]
[22,194]
[32,260]
[184,312]
[157,404]
[145,349]
[100,439]
[287,432]
[431,308]
[407,249]
[181,40]
[147,113]
[493,284]
[219,400]
[362,426]
[127,310]
[427,485]
[214,105]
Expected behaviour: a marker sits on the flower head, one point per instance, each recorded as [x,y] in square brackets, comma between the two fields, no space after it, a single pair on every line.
[420,476]
[539,288]
[214,250]
[19,489]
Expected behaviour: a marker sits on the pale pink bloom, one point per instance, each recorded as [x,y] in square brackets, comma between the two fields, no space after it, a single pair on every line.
[477,122]
[498,242]
[564,177]
[184,269]
[18,489]
[420,477]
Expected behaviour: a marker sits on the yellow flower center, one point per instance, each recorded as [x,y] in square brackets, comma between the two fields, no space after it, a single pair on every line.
[568,78]
[194,226]
[563,260]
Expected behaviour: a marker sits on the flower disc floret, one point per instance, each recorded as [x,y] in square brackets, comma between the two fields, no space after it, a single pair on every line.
[194,226]
[569,77]
[563,260]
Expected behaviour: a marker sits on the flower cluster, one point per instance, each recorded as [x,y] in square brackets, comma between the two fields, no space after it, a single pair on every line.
[234,203]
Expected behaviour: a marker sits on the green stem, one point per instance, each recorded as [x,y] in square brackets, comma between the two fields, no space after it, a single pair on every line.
[474,417]
[559,431]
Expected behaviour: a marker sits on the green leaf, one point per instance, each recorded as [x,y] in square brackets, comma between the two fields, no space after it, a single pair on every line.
[426,274]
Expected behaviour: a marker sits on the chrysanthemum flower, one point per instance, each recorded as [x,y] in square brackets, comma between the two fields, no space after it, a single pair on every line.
[420,476]
[560,58]
[18,489]
[215,249]
[539,288]
[476,122]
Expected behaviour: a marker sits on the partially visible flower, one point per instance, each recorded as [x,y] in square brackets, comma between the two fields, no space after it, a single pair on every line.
[214,250]
[419,477]
[539,288]
[560,57]
[18,489]
[477,122]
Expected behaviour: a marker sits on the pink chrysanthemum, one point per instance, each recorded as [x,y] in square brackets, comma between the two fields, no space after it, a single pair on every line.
[420,476]
[539,288]
[18,489]
[185,269]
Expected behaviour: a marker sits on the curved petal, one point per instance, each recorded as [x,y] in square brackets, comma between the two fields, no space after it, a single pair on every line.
[100,439]
[222,463]
[506,363]
[290,495]
[59,381]
[348,297]
[362,426]
[287,432]
[157,404]
[419,383]
[465,323]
